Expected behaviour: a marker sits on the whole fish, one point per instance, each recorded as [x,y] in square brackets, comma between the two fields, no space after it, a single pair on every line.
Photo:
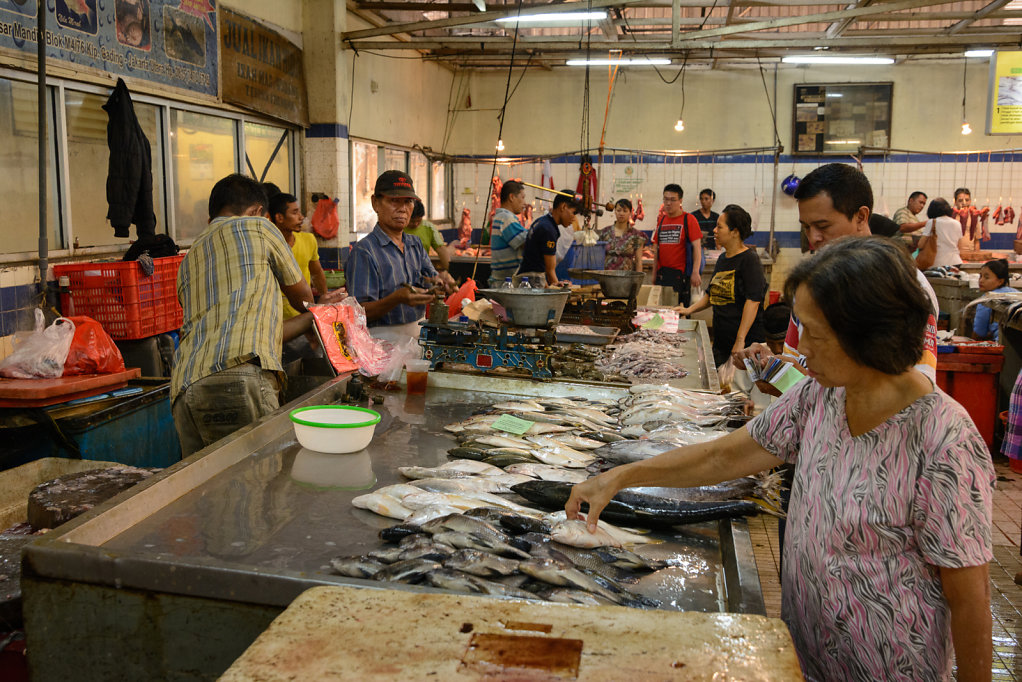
[455,581]
[357,566]
[410,571]
[427,499]
[627,451]
[564,595]
[621,536]
[399,532]
[470,466]
[428,513]
[384,505]
[387,555]
[473,541]
[576,534]
[462,523]
[503,441]
[432,473]
[509,479]
[513,523]
[425,549]
[577,442]
[499,589]
[507,460]
[551,443]
[519,406]
[556,573]
[604,436]
[493,452]
[466,453]
[398,490]
[461,486]
[482,564]
[545,472]
[556,459]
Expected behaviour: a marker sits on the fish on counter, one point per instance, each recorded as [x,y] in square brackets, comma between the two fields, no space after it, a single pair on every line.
[357,566]
[545,472]
[384,505]
[482,564]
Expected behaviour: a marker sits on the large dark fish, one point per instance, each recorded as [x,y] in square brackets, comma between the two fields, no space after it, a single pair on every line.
[513,523]
[399,532]
[659,513]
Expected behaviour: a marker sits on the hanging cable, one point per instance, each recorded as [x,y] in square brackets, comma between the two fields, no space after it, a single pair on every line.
[500,138]
[770,106]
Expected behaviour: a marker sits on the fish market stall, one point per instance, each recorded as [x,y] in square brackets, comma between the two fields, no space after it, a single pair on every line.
[179,576]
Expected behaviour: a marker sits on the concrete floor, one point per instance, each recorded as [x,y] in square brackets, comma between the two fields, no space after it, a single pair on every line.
[1005,595]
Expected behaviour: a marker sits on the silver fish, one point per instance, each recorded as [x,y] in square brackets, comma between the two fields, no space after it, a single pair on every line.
[450,579]
[384,505]
[410,571]
[563,595]
[481,564]
[485,544]
[357,566]
[388,555]
[556,573]
[461,523]
[461,486]
[421,516]
[545,472]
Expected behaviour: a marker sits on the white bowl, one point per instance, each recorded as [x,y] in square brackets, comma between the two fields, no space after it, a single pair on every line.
[334,429]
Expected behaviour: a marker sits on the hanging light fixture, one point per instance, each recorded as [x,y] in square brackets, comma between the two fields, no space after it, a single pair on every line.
[680,125]
[966,128]
[500,145]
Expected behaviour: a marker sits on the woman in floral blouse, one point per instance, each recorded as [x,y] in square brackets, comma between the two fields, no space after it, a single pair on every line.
[624,242]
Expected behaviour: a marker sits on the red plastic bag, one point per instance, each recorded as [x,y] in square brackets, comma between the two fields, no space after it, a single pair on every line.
[324,219]
[92,350]
[467,290]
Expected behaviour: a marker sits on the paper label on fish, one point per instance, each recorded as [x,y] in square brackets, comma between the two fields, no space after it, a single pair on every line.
[512,424]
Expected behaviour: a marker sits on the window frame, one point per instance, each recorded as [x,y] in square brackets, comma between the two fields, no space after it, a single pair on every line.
[56,90]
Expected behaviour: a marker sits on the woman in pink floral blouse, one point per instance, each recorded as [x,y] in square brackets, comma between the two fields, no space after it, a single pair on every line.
[624,242]
[885,572]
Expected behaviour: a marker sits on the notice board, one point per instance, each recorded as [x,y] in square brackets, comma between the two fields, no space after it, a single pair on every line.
[838,118]
[171,42]
[1004,105]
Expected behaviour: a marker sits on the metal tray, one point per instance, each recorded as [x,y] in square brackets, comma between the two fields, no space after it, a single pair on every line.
[597,336]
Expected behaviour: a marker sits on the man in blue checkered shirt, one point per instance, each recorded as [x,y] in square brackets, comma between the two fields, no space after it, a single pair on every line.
[382,265]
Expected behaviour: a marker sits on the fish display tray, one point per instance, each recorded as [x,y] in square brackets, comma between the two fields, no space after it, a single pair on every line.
[593,336]
[229,526]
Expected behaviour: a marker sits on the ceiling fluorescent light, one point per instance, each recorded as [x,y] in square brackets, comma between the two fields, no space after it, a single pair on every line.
[638,61]
[979,53]
[480,5]
[566,17]
[834,59]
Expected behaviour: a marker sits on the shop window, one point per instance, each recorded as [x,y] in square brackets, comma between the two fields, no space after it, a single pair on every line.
[88,157]
[19,158]
[438,194]
[203,152]
[395,159]
[267,155]
[364,165]
[418,168]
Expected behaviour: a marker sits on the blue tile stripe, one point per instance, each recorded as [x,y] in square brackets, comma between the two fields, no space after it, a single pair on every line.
[327,130]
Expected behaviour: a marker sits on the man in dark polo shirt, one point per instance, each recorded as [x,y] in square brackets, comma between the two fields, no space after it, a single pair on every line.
[539,257]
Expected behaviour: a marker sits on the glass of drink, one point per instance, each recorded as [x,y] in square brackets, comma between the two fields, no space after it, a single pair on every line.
[416,375]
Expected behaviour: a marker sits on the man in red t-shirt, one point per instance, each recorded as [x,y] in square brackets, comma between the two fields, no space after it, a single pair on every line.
[677,234]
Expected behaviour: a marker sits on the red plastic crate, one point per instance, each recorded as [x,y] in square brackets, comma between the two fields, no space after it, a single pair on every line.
[119,296]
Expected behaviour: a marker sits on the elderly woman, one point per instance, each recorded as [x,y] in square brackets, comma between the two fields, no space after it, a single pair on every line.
[889,526]
[736,290]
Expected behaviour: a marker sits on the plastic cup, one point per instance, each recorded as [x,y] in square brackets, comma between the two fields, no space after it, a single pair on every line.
[417,375]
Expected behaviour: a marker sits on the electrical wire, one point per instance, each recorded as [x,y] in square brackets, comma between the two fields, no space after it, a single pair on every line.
[681,71]
[770,106]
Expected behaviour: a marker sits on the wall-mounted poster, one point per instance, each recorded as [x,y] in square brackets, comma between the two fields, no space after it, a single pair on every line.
[839,118]
[171,42]
[1004,105]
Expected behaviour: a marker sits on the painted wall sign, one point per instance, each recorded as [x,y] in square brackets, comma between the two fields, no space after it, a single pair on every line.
[1004,105]
[172,42]
[262,69]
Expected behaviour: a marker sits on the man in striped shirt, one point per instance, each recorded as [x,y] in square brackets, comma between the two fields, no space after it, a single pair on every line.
[228,370]
[507,236]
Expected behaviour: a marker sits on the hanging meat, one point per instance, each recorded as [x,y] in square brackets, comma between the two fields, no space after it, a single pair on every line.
[587,185]
[465,228]
[494,196]
[640,212]
[525,218]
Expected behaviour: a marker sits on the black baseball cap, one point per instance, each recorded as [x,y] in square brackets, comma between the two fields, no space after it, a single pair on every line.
[394,183]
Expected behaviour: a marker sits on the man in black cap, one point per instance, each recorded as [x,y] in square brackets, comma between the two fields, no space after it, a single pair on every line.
[383,267]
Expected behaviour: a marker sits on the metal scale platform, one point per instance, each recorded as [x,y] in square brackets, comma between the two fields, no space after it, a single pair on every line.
[595,309]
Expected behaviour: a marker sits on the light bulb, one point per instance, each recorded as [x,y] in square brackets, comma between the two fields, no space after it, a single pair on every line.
[966,128]
[679,126]
[500,145]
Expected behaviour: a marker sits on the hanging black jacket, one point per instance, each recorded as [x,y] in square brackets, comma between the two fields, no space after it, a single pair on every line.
[129,182]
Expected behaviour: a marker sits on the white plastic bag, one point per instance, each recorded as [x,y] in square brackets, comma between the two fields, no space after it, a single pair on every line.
[43,352]
[406,351]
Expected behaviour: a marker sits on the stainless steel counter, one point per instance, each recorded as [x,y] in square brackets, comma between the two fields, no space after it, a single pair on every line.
[200,558]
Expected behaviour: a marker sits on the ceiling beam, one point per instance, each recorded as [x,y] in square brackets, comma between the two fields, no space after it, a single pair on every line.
[637,22]
[981,14]
[494,46]
[675,20]
[838,27]
[418,6]
[822,17]
[478,18]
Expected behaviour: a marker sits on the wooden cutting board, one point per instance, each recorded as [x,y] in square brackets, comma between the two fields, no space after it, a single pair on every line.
[349,633]
[42,392]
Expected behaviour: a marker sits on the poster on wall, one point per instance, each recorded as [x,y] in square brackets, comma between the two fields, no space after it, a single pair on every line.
[171,42]
[841,118]
[1004,105]
[262,69]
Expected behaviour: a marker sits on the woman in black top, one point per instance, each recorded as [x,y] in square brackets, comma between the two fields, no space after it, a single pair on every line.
[736,290]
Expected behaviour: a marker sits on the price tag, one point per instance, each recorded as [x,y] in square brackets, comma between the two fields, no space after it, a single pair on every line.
[654,323]
[506,422]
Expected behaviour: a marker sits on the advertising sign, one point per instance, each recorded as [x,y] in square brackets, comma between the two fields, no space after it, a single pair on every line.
[1004,105]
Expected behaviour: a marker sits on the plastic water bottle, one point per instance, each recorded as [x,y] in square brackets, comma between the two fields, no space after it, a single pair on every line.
[507,284]
[525,283]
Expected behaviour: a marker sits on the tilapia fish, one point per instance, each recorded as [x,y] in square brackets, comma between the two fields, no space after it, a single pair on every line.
[555,573]
[410,571]
[512,523]
[485,544]
[357,566]
[482,564]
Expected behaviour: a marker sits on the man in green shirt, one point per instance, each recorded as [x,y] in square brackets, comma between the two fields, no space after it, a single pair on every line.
[431,238]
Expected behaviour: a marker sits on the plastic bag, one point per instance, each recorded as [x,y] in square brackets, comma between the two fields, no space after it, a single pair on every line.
[324,218]
[42,354]
[726,375]
[371,355]
[454,301]
[406,351]
[330,323]
[92,350]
